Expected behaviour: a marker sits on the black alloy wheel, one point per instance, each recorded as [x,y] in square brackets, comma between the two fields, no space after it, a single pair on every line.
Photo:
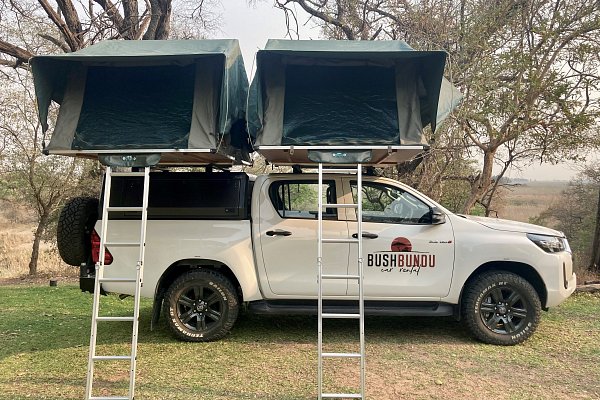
[503,310]
[201,306]
[500,307]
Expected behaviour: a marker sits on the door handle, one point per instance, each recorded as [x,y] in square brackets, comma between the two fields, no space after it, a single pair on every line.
[367,235]
[278,232]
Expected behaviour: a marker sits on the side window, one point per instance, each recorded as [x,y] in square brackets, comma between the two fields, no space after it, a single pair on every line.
[388,204]
[299,199]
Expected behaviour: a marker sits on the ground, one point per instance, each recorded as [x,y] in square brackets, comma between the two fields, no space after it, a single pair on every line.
[44,336]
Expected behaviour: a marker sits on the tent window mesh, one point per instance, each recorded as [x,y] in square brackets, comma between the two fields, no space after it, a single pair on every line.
[136,108]
[340,105]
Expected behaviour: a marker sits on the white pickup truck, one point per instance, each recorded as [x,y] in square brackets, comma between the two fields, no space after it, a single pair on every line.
[217,240]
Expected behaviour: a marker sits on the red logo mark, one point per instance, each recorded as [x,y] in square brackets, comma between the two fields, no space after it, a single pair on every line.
[401,244]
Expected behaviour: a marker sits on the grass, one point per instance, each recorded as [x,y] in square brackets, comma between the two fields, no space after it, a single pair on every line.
[44,337]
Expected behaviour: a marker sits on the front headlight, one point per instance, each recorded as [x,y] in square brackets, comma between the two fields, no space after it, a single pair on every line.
[550,244]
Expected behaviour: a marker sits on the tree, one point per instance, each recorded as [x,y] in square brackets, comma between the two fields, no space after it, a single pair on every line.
[576,214]
[69,26]
[28,28]
[593,174]
[75,26]
[527,70]
[40,182]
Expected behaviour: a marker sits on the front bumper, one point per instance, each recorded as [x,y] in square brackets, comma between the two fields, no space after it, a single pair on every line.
[563,285]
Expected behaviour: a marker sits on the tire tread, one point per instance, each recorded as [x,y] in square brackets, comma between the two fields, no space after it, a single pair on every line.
[71,231]
[473,290]
[233,304]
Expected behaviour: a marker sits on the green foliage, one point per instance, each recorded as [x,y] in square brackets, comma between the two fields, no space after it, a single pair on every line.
[4,188]
[456,186]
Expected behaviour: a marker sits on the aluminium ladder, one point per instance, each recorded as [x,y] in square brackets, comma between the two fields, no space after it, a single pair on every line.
[138,280]
[356,239]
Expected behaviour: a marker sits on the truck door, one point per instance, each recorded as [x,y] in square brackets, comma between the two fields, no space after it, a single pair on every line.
[405,255]
[288,237]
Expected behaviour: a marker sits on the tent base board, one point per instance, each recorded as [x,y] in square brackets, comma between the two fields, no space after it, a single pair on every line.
[169,157]
[381,156]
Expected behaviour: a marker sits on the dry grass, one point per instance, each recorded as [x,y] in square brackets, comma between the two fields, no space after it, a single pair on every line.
[522,202]
[16,240]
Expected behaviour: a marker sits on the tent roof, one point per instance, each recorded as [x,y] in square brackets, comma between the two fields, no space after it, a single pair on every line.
[432,63]
[354,49]
[360,47]
[104,51]
[278,54]
[51,72]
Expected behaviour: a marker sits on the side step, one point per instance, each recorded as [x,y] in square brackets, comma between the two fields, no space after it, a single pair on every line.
[372,308]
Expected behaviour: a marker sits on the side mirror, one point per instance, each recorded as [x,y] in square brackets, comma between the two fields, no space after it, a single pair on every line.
[437,216]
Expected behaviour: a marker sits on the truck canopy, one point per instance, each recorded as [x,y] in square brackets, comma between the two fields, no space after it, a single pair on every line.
[185,99]
[328,93]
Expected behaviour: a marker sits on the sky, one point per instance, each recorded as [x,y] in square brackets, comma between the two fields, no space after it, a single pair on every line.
[253,25]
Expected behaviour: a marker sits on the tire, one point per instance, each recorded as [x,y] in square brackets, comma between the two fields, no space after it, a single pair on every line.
[73,233]
[201,306]
[501,308]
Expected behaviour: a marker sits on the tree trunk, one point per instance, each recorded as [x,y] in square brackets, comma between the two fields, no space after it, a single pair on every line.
[481,185]
[37,238]
[595,264]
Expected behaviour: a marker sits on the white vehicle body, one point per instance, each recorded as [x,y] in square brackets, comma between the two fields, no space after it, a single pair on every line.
[265,265]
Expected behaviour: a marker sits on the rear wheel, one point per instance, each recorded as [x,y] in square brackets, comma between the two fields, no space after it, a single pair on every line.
[201,306]
[501,308]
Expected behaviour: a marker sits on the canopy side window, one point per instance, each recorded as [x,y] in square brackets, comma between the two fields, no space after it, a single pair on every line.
[299,199]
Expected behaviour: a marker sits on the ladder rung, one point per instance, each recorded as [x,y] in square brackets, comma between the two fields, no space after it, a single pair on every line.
[343,170]
[125,209]
[332,276]
[122,244]
[342,355]
[339,205]
[127,174]
[119,280]
[109,358]
[109,398]
[336,315]
[341,395]
[124,319]
[342,240]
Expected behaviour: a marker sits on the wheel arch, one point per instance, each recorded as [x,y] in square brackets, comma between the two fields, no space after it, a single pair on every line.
[523,270]
[180,267]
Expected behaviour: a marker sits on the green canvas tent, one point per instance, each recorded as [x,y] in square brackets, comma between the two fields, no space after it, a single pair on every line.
[327,94]
[183,99]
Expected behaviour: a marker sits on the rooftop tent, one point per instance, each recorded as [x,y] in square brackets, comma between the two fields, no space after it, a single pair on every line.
[325,94]
[184,99]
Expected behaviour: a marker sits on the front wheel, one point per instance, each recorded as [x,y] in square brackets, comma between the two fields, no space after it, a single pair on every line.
[501,308]
[201,306]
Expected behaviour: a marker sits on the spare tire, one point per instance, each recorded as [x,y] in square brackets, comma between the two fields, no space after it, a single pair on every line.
[75,225]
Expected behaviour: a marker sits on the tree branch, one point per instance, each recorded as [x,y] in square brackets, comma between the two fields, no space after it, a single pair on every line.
[63,46]
[73,42]
[326,18]
[132,19]
[19,53]
[71,18]
[113,13]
